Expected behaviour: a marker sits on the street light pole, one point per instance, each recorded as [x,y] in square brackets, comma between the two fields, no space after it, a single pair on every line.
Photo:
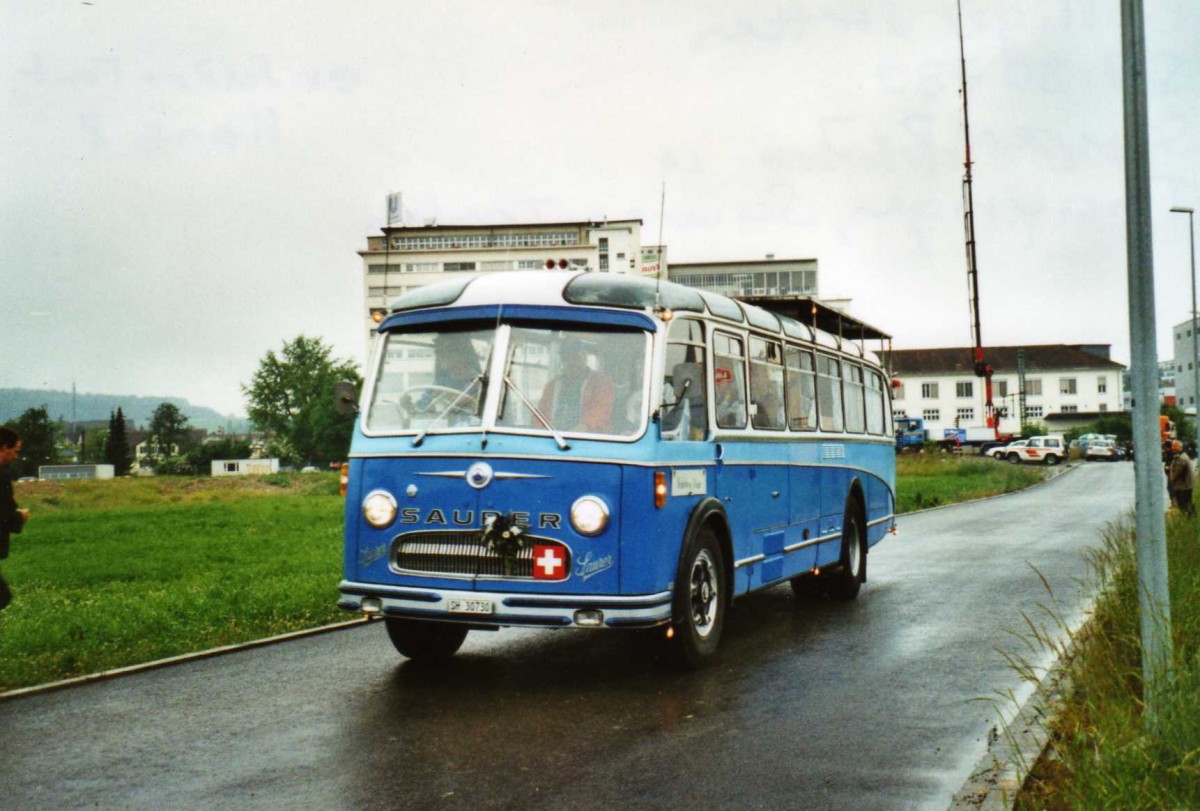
[1195,364]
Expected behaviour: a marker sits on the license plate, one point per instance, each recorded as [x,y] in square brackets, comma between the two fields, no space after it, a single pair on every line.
[469,606]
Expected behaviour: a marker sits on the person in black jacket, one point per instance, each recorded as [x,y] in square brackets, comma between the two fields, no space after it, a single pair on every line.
[12,518]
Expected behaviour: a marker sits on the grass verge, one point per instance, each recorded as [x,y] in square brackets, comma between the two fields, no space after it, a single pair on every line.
[113,573]
[1101,755]
[934,479]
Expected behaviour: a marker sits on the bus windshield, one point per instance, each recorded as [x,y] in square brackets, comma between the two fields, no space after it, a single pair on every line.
[431,380]
[557,381]
[574,381]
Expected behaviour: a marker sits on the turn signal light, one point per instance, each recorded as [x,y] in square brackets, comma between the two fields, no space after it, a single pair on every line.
[660,489]
[344,479]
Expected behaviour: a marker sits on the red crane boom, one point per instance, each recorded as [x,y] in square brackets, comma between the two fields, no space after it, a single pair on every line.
[983,369]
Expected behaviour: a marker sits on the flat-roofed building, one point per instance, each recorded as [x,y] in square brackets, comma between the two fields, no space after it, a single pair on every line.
[1065,384]
[406,257]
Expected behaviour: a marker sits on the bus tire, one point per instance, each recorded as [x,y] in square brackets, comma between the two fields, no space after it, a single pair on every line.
[425,641]
[698,612]
[846,580]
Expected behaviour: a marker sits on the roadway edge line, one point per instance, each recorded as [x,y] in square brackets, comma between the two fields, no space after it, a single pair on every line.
[104,675]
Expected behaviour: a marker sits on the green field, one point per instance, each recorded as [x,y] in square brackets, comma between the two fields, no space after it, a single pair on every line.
[112,573]
[935,479]
[120,572]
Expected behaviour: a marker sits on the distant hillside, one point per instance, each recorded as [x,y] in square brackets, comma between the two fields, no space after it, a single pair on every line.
[14,402]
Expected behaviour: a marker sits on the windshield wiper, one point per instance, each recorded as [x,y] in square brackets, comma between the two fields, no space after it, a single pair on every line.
[562,443]
[419,438]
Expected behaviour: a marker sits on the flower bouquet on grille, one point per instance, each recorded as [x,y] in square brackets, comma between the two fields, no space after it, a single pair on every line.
[505,537]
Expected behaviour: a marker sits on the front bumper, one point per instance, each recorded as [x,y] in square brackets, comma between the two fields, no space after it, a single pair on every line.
[545,610]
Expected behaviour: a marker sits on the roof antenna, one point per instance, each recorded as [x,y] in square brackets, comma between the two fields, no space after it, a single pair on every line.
[662,312]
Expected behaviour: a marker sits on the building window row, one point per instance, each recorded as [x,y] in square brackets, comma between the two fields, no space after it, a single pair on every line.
[547,239]
[497,265]
[765,283]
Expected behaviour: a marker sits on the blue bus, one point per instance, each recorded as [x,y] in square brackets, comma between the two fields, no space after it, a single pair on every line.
[587,450]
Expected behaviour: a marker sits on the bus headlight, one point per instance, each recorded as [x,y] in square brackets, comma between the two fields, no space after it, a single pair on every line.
[379,508]
[589,515]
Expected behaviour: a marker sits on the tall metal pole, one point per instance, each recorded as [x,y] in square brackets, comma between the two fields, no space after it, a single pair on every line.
[1195,364]
[983,369]
[1153,596]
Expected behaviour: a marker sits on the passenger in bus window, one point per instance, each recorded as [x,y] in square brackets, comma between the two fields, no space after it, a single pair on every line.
[731,404]
[767,390]
[580,398]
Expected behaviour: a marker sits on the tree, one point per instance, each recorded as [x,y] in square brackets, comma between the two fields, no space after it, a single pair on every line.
[116,448]
[95,442]
[39,440]
[291,395]
[170,430]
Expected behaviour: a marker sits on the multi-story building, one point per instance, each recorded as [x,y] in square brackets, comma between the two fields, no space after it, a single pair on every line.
[1064,384]
[740,279]
[405,257]
[1185,363]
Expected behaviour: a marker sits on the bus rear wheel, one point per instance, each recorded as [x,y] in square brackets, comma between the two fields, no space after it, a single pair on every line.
[698,613]
[844,583]
[425,641]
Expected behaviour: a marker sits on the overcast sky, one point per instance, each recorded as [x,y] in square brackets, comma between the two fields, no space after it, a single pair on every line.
[185,185]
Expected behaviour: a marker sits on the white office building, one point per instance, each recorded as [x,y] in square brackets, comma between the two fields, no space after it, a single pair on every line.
[405,257]
[1185,364]
[1064,385]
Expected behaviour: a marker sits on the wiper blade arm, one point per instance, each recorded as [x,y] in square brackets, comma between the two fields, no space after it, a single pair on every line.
[419,438]
[562,443]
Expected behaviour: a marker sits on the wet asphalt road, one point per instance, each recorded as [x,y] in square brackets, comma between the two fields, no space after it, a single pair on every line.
[880,703]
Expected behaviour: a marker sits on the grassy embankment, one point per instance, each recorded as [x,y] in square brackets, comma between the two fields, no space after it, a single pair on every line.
[1101,754]
[934,479]
[113,573]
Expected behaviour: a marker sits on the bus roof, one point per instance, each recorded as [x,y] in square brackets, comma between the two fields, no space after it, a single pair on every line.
[555,288]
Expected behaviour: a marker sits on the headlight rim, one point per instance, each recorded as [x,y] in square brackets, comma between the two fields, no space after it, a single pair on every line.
[603,517]
[393,508]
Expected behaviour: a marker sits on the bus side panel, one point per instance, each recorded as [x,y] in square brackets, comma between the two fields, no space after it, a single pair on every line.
[805,514]
[652,538]
[835,485]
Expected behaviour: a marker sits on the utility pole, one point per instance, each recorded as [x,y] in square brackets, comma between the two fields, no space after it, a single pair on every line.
[1153,593]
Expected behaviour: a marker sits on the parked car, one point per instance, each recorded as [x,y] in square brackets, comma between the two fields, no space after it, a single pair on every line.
[1103,450]
[1049,450]
[1000,452]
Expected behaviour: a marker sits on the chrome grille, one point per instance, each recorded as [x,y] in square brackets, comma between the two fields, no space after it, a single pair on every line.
[462,553]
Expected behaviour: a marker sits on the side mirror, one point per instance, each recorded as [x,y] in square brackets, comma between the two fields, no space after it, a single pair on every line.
[345,397]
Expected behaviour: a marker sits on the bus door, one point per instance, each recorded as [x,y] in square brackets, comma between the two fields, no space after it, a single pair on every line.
[804,475]
[751,476]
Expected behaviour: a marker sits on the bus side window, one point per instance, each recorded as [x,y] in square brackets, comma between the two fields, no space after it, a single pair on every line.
[876,411]
[829,393]
[766,384]
[684,409]
[852,380]
[729,381]
[801,391]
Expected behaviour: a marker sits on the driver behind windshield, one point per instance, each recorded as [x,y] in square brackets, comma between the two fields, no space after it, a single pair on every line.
[455,362]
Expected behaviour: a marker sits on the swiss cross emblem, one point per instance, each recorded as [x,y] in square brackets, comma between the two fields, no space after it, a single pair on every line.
[549,563]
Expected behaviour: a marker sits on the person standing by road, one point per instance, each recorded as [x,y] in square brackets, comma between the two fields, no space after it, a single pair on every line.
[1183,479]
[12,518]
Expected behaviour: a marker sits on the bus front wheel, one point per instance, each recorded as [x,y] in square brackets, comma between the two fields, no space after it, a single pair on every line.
[425,641]
[847,580]
[698,613]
